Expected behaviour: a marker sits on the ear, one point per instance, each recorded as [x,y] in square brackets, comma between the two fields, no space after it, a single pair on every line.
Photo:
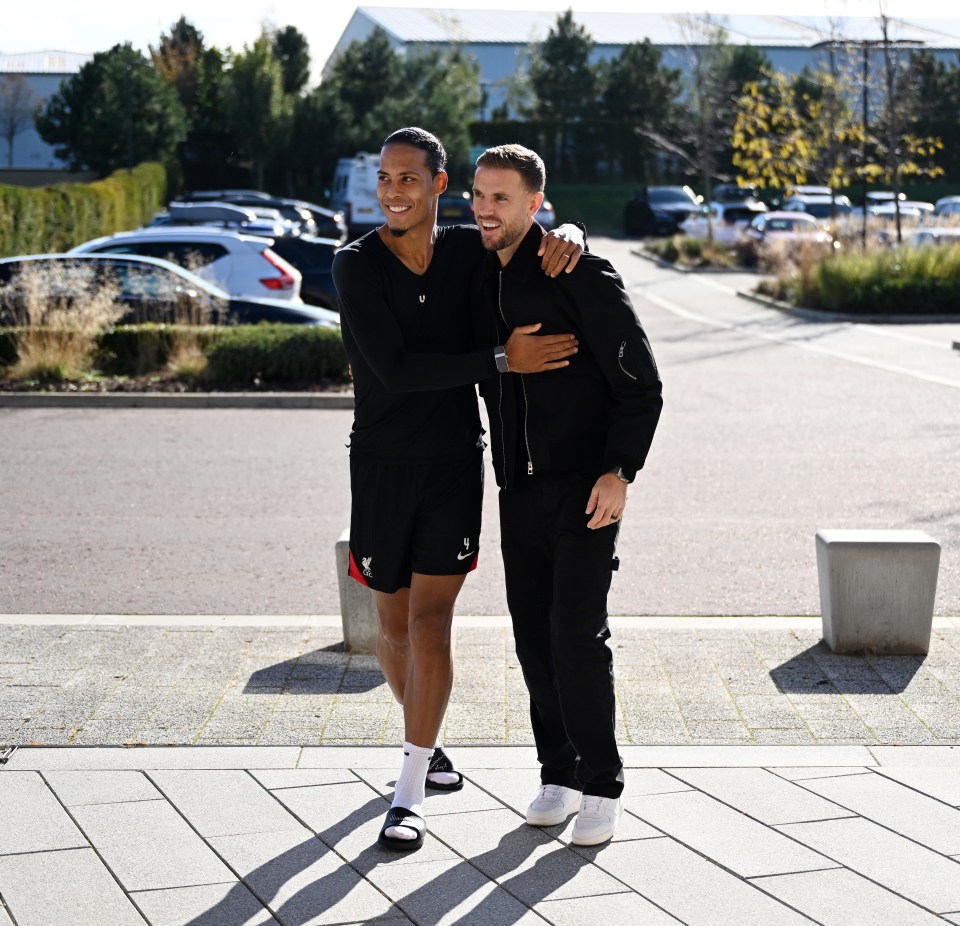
[440,182]
[535,203]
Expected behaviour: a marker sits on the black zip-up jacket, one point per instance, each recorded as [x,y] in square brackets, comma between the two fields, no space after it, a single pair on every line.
[591,417]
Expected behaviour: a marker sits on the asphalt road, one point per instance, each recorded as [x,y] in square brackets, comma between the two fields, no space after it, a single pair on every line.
[773,428]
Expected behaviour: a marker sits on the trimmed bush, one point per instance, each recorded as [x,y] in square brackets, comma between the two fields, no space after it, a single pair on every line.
[52,219]
[276,353]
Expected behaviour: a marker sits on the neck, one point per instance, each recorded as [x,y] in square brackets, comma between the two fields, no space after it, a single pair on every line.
[415,248]
[506,253]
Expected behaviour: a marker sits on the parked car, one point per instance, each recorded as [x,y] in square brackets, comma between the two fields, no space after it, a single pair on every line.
[157,290]
[546,215]
[820,205]
[946,209]
[243,265]
[934,235]
[248,219]
[734,193]
[309,218]
[659,210]
[784,229]
[455,207]
[355,192]
[727,220]
[912,212]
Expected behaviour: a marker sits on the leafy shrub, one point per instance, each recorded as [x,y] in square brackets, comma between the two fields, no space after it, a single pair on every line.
[904,281]
[276,353]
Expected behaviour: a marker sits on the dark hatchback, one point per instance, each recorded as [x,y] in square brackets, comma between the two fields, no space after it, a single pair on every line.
[150,289]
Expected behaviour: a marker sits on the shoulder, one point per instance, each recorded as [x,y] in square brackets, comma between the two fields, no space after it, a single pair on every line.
[352,257]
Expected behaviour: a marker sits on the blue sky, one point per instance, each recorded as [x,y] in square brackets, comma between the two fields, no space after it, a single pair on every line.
[96,25]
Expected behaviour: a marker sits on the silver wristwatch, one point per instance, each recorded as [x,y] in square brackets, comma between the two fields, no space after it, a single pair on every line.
[500,356]
[618,472]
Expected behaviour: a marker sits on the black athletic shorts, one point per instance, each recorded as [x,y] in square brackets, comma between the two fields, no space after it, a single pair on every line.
[407,518]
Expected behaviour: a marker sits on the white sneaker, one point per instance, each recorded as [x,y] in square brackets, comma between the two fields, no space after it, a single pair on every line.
[552,805]
[596,820]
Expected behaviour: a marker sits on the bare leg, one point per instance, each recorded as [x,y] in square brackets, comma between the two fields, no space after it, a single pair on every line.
[393,639]
[430,677]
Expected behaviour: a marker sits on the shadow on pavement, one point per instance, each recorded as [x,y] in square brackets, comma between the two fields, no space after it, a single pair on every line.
[323,671]
[817,670]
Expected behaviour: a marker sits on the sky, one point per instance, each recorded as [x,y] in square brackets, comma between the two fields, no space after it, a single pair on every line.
[96,25]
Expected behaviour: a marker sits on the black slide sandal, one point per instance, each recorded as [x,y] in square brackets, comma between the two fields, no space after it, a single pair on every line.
[441,763]
[400,816]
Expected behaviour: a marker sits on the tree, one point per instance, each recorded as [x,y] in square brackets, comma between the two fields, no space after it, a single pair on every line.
[373,90]
[259,112]
[115,112]
[291,49]
[938,106]
[790,132]
[638,93]
[198,75]
[18,107]
[564,85]
[898,151]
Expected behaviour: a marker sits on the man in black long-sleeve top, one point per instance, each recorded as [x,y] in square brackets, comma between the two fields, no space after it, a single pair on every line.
[416,469]
[565,447]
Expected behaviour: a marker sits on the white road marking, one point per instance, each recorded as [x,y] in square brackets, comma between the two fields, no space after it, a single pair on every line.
[750,328]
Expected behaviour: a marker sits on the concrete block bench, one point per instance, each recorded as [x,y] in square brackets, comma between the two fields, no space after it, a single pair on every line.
[357,610]
[877,590]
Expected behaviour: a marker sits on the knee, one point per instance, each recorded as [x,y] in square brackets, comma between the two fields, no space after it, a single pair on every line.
[430,629]
[395,635]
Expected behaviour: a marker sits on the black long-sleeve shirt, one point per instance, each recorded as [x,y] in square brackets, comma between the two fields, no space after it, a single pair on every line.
[410,345]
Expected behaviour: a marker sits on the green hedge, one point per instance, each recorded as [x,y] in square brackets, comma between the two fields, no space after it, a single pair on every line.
[52,219]
[276,353]
[246,354]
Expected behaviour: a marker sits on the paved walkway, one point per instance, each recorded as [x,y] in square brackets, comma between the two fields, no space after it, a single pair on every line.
[267,681]
[712,835]
[763,792]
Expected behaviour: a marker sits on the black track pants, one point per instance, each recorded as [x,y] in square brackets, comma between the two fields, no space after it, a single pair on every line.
[558,575]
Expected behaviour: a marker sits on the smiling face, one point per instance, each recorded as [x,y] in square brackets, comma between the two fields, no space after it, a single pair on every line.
[504,209]
[406,188]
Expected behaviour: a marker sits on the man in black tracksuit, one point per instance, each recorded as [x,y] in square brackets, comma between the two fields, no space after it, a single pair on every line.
[565,446]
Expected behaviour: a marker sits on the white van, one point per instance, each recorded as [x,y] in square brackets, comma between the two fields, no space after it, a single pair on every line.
[355,192]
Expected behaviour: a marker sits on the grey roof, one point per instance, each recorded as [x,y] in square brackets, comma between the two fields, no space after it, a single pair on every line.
[43,62]
[412,24]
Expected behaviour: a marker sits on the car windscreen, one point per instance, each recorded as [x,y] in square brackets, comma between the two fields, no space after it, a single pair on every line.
[662,197]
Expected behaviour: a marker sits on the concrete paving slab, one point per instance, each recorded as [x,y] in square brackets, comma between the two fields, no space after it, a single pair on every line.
[150,757]
[32,819]
[301,880]
[943,784]
[725,835]
[940,756]
[803,772]
[760,794]
[275,779]
[690,887]
[76,789]
[447,893]
[148,845]
[617,908]
[913,871]
[4,916]
[223,802]
[743,756]
[65,887]
[842,898]
[209,904]
[909,813]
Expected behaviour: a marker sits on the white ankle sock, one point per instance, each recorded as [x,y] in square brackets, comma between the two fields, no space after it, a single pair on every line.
[443,778]
[410,788]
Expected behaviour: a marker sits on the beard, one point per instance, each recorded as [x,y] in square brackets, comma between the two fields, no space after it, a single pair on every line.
[508,235]
[396,232]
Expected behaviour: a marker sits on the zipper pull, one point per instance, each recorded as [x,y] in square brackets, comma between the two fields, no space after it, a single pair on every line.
[529,467]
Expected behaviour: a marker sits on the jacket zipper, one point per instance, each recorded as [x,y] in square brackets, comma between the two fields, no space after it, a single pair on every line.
[526,406]
[623,347]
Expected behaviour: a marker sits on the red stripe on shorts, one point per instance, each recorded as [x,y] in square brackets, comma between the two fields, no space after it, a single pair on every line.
[355,573]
